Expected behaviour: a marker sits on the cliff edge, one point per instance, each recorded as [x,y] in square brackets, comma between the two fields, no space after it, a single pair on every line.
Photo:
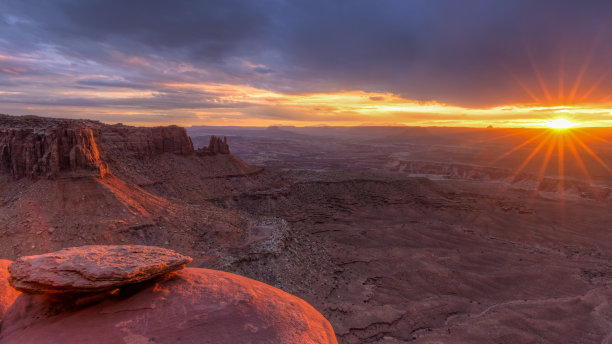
[47,147]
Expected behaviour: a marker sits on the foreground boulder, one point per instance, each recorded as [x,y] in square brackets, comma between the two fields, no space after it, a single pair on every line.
[7,294]
[88,269]
[189,306]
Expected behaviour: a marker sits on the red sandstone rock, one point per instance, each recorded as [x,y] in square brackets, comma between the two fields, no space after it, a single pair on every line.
[7,294]
[45,147]
[216,145]
[47,151]
[93,268]
[140,142]
[191,306]
[154,172]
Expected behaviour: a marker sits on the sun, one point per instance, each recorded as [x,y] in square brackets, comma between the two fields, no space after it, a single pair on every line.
[560,124]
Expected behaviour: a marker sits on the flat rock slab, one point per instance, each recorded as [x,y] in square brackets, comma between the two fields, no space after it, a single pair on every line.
[95,268]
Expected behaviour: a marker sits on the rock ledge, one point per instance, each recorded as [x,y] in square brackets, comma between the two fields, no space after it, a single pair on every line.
[91,269]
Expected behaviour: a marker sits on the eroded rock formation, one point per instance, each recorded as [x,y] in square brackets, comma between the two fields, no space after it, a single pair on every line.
[46,147]
[139,141]
[150,174]
[189,306]
[92,268]
[30,152]
[216,145]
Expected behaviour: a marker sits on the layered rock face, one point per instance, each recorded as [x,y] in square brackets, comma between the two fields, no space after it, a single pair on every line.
[188,306]
[51,197]
[46,147]
[31,152]
[138,141]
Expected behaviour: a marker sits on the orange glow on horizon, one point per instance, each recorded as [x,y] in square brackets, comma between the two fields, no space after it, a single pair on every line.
[225,104]
[350,108]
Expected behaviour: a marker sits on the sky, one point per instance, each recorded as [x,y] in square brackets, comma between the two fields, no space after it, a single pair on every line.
[308,62]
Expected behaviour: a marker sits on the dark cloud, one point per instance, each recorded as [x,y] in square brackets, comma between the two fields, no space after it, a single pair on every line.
[106,82]
[157,101]
[144,118]
[262,70]
[211,30]
[469,52]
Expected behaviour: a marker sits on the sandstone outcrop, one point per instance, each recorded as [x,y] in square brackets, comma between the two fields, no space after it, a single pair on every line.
[46,147]
[139,141]
[45,151]
[7,294]
[216,145]
[191,306]
[150,182]
[95,268]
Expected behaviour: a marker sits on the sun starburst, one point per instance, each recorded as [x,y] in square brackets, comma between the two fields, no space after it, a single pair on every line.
[573,146]
[560,124]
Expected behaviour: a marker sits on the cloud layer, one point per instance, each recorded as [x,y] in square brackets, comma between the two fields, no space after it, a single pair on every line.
[248,62]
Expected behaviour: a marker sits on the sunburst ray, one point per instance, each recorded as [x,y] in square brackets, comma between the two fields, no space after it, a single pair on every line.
[561,90]
[561,161]
[529,158]
[517,147]
[598,138]
[541,173]
[582,166]
[595,86]
[584,67]
[591,153]
[538,73]
[523,86]
[495,138]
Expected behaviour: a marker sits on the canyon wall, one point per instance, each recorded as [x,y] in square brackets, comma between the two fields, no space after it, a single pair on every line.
[47,147]
[28,152]
[139,141]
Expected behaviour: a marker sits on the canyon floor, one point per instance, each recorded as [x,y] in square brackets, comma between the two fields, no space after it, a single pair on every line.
[463,256]
[396,235]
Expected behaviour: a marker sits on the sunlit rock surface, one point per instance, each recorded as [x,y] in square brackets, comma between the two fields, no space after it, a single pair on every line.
[7,294]
[93,268]
[66,183]
[48,147]
[189,306]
